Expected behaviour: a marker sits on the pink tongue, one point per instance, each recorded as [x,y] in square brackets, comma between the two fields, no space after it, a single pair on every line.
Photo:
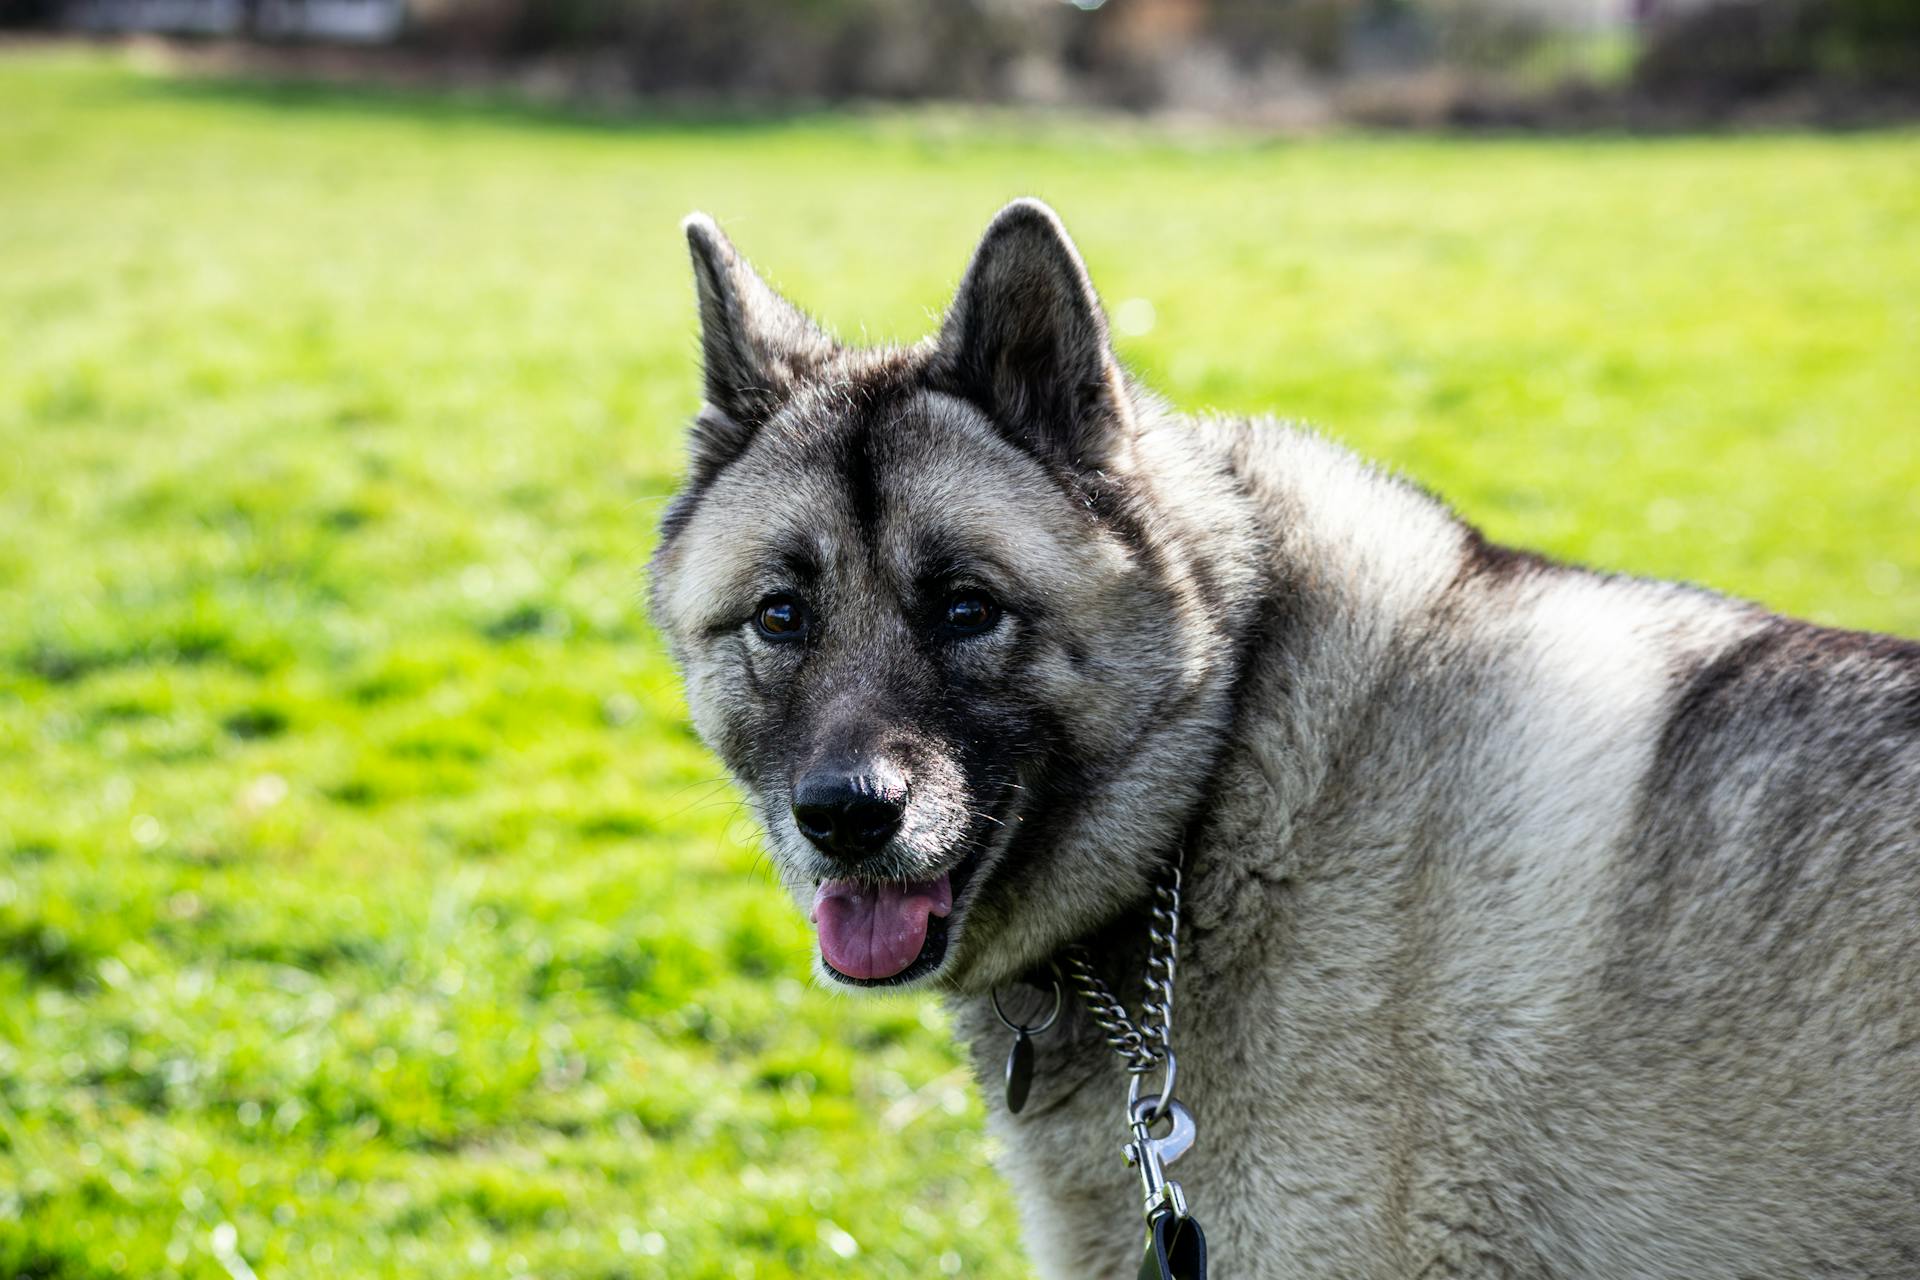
[876,930]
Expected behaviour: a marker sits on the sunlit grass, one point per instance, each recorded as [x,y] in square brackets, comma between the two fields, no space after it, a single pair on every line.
[366,907]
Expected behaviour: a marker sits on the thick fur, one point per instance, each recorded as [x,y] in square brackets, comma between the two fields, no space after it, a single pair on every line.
[1539,922]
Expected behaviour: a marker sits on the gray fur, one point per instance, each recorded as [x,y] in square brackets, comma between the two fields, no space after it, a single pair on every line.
[1540,923]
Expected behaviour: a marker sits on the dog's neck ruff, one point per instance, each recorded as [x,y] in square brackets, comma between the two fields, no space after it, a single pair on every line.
[1176,1247]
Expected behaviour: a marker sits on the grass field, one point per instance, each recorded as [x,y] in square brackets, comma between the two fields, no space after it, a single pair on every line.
[367,909]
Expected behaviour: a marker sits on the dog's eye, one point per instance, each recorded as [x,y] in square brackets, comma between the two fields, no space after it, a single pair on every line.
[969,613]
[781,618]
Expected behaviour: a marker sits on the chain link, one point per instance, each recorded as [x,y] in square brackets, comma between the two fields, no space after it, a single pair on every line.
[1145,1045]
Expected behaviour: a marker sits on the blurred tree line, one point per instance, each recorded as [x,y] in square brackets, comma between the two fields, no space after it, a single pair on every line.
[1146,53]
[1211,55]
[1760,46]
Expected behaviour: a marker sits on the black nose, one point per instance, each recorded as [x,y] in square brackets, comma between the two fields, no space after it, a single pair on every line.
[850,814]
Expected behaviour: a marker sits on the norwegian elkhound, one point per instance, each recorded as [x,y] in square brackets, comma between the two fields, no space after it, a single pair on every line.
[1537,922]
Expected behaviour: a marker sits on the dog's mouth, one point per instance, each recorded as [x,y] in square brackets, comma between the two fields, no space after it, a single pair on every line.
[888,933]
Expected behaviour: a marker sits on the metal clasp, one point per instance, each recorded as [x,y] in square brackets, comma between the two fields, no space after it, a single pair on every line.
[1169,1072]
[1152,1155]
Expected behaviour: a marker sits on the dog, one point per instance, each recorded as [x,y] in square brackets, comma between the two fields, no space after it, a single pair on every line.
[1536,921]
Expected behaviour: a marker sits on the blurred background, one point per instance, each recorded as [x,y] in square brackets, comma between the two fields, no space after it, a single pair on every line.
[367,907]
[1292,63]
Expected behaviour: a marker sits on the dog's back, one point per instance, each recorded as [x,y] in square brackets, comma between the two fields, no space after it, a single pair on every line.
[1548,922]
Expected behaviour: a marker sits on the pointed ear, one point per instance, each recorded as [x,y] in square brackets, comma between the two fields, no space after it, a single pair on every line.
[756,345]
[1027,342]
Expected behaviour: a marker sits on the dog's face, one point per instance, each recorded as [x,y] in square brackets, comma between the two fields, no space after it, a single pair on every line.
[924,619]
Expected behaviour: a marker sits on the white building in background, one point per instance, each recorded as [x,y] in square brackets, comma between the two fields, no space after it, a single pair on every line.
[356,21]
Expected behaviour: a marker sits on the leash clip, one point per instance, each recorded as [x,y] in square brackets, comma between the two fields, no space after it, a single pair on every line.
[1176,1247]
[1152,1155]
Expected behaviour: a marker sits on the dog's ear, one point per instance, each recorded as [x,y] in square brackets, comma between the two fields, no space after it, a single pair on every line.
[756,346]
[1026,340]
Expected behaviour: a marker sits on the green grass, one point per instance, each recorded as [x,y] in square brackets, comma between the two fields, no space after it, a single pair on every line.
[366,907]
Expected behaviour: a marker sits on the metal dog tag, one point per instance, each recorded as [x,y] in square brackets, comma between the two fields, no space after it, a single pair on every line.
[1019,1071]
[1020,1056]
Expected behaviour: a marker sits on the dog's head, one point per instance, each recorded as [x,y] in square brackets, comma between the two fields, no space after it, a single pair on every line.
[938,617]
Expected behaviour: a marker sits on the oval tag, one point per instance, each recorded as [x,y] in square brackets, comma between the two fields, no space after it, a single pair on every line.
[1019,1072]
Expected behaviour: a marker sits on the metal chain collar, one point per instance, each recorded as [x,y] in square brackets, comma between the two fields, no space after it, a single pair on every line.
[1176,1246]
[1143,1046]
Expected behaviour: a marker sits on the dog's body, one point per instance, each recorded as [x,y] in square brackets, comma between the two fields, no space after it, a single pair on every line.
[1538,923]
